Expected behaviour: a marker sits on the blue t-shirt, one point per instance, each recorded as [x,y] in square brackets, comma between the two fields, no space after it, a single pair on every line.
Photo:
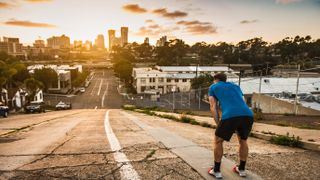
[229,96]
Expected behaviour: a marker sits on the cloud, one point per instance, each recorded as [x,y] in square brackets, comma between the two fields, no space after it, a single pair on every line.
[171,15]
[134,8]
[38,1]
[189,23]
[14,22]
[154,26]
[287,1]
[156,30]
[201,29]
[4,5]
[149,21]
[249,21]
[144,31]
[197,27]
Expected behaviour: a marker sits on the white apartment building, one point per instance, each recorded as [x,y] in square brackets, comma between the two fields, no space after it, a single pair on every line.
[165,79]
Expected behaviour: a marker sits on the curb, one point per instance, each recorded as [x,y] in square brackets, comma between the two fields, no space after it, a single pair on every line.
[305,144]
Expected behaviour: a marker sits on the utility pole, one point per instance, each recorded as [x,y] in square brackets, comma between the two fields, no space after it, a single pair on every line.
[173,101]
[297,90]
[199,97]
[240,75]
[259,98]
[189,99]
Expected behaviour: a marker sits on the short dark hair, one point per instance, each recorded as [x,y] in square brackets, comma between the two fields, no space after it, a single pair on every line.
[220,77]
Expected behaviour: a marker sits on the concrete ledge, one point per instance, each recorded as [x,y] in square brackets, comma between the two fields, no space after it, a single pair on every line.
[305,144]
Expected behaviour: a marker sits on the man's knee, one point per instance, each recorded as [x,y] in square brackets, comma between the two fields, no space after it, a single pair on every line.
[242,141]
[218,140]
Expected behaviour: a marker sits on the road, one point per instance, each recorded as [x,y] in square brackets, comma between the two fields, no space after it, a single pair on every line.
[97,140]
[101,93]
[84,144]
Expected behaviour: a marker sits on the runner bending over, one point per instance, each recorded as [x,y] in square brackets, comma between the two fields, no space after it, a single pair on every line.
[236,117]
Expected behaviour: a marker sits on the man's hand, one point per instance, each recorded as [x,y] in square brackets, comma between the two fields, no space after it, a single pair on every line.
[214,109]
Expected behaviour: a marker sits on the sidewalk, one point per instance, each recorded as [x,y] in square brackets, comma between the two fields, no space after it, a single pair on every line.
[267,129]
[197,157]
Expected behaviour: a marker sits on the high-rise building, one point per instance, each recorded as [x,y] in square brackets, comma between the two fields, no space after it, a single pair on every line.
[39,43]
[12,46]
[58,42]
[112,35]
[99,42]
[162,41]
[146,40]
[88,45]
[124,35]
[118,41]
[77,45]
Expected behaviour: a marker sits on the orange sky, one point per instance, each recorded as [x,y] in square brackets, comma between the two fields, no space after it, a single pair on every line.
[202,20]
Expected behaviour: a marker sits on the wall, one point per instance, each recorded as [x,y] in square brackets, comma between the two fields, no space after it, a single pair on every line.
[272,105]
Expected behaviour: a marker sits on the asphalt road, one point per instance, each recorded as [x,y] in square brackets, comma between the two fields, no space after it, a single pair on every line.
[84,144]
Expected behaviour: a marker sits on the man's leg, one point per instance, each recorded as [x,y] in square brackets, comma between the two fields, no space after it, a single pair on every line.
[243,152]
[218,152]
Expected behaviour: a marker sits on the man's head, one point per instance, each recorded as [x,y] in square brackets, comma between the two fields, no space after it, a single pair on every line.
[219,77]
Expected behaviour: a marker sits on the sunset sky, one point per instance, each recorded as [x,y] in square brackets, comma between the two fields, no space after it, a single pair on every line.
[191,20]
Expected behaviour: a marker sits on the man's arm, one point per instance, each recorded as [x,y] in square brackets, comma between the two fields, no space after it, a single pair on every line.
[214,109]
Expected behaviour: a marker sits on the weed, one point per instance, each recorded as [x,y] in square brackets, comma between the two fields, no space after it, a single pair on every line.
[286,140]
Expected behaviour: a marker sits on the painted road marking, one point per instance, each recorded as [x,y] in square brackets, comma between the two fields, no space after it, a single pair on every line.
[100,87]
[104,95]
[126,170]
[94,87]
[96,107]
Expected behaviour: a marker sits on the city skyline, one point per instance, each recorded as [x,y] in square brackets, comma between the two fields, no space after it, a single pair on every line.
[192,21]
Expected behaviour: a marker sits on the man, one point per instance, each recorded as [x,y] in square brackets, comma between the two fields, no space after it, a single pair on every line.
[236,117]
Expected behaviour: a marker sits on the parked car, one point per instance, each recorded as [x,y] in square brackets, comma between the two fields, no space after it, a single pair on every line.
[82,89]
[4,110]
[35,107]
[62,105]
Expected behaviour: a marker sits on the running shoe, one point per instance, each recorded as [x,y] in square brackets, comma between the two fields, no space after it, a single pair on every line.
[217,175]
[242,173]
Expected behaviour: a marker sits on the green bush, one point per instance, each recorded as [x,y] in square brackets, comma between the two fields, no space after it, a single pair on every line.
[286,140]
[167,116]
[258,116]
[186,119]
[129,107]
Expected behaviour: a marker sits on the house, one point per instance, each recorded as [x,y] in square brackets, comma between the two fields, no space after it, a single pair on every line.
[166,79]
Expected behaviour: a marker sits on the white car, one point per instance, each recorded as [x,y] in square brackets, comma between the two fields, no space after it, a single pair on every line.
[82,89]
[61,106]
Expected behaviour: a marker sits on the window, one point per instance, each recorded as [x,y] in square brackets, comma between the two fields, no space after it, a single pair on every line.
[176,80]
[168,80]
[184,80]
[160,80]
[143,80]
[152,80]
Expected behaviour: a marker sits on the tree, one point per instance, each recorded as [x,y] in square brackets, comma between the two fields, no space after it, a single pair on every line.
[32,86]
[203,81]
[80,79]
[47,76]
[123,68]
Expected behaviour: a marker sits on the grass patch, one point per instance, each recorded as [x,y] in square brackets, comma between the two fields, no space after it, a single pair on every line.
[129,107]
[183,118]
[286,140]
[168,116]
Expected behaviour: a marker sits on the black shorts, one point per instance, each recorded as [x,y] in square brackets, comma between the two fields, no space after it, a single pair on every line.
[242,125]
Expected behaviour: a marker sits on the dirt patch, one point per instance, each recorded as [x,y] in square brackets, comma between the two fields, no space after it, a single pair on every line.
[284,165]
[305,122]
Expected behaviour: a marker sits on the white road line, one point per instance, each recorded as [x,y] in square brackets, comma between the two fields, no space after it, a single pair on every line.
[96,107]
[104,95]
[94,87]
[100,87]
[126,170]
